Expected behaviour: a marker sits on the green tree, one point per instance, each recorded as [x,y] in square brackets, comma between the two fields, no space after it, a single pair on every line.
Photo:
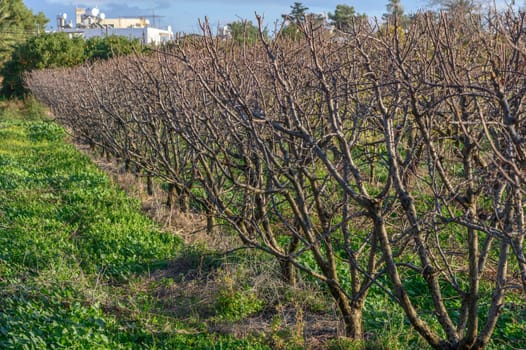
[342,16]
[59,50]
[297,15]
[17,23]
[38,52]
[297,12]
[244,31]
[103,48]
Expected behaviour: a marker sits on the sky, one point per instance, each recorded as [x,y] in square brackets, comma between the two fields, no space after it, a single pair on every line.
[183,16]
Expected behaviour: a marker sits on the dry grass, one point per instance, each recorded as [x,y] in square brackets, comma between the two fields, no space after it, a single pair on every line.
[291,317]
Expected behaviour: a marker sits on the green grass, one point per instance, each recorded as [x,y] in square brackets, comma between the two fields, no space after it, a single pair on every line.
[72,247]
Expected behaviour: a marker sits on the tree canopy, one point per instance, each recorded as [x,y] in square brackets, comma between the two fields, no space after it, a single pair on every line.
[244,31]
[298,15]
[42,51]
[297,11]
[59,50]
[342,16]
[17,23]
[99,48]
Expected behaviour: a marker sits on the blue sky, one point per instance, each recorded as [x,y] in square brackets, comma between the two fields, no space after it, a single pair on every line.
[183,15]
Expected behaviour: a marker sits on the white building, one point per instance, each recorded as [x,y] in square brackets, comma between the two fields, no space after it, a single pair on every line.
[146,35]
[92,23]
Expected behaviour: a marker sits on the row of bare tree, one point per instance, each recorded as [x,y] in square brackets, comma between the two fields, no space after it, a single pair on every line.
[378,158]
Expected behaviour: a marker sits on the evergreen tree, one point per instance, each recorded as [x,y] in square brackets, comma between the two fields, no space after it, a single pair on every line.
[298,12]
[17,23]
[297,15]
[342,16]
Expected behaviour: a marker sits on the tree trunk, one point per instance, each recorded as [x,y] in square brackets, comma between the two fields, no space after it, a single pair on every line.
[127,167]
[288,270]
[398,288]
[351,314]
[170,198]
[184,200]
[149,185]
[210,223]
[353,323]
